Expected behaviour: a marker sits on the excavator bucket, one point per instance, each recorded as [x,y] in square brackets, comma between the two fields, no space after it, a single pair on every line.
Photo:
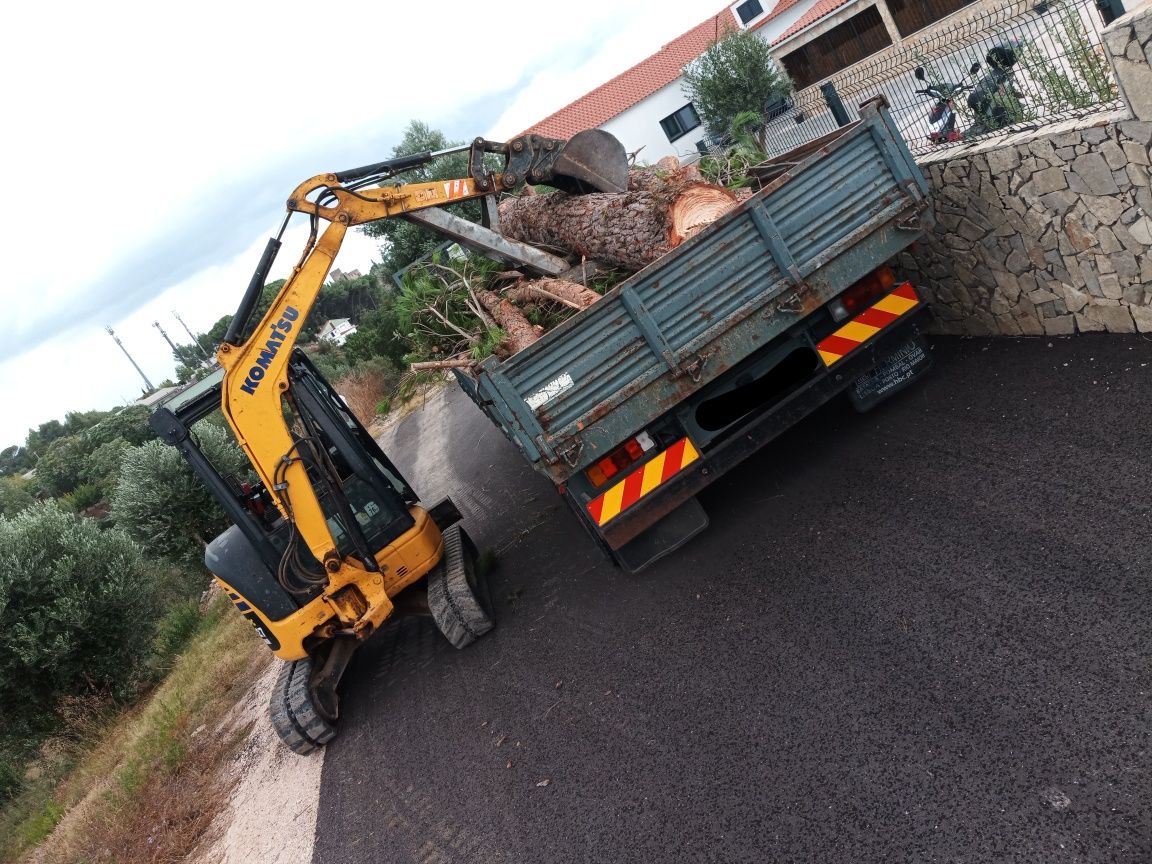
[591,161]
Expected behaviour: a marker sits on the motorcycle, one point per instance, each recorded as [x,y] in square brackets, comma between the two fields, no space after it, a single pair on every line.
[993,100]
[943,113]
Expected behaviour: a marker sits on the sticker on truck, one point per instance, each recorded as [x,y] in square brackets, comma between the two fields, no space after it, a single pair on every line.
[550,391]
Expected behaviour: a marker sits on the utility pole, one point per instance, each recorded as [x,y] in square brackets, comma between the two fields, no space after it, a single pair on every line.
[195,341]
[171,344]
[116,338]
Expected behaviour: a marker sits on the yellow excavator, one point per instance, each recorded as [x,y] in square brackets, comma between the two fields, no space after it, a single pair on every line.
[329,540]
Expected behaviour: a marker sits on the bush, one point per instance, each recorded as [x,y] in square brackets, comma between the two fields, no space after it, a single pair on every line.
[14,496]
[366,387]
[736,73]
[76,611]
[162,504]
[63,467]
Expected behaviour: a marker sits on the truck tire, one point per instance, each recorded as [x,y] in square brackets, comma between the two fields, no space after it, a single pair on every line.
[454,597]
[294,717]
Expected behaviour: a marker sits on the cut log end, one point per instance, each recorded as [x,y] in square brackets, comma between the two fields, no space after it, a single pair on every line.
[695,209]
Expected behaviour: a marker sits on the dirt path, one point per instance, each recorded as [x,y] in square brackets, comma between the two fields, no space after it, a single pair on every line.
[271,813]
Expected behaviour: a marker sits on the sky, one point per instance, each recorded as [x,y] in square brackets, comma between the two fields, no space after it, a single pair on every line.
[151,148]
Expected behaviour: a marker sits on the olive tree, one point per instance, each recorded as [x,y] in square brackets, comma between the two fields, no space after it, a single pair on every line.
[735,74]
[162,504]
[77,605]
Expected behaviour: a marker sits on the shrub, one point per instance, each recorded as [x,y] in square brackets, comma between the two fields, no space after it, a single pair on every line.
[366,387]
[162,504]
[76,611]
[14,496]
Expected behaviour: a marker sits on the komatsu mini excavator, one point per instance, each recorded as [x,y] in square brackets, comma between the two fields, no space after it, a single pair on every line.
[330,540]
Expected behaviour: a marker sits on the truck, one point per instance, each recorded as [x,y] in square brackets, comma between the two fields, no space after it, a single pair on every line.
[630,407]
[635,404]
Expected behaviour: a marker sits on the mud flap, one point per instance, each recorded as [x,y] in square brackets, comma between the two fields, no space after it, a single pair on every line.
[663,538]
[903,365]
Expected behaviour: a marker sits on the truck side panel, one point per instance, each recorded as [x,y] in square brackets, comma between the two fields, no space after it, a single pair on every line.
[677,325]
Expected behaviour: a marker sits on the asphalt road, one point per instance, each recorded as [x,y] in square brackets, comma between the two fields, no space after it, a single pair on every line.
[918,635]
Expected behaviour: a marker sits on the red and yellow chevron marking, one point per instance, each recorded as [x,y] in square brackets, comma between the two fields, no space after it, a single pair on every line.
[643,480]
[867,324]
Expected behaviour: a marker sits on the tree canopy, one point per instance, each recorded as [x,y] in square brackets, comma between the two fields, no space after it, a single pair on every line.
[162,504]
[405,242]
[735,74]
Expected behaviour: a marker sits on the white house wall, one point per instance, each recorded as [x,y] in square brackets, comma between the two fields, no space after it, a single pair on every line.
[777,25]
[639,126]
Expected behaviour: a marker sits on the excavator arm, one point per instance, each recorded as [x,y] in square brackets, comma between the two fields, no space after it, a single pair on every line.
[256,383]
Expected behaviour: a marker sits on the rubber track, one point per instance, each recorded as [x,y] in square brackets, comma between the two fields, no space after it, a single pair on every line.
[294,718]
[455,607]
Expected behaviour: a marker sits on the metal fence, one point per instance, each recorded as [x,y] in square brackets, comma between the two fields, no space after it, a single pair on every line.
[1061,71]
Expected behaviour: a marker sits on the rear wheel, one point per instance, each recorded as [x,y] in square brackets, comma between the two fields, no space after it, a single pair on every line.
[454,593]
[301,725]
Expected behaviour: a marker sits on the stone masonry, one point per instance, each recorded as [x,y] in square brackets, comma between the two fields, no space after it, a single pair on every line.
[1049,232]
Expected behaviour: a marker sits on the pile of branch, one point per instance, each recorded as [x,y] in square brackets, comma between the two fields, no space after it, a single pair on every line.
[478,313]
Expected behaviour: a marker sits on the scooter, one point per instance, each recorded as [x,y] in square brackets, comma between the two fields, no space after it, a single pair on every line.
[943,113]
[994,100]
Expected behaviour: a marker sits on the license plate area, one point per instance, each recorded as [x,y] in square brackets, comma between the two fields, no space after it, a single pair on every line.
[893,373]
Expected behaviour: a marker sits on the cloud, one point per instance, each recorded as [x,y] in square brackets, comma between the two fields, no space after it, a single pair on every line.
[158,143]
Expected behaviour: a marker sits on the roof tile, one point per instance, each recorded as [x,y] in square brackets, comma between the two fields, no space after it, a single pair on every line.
[820,10]
[638,83]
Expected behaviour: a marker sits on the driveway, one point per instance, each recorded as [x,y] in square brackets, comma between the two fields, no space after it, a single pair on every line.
[920,634]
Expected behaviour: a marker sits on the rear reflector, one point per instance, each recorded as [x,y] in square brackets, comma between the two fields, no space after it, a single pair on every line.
[660,469]
[627,454]
[885,311]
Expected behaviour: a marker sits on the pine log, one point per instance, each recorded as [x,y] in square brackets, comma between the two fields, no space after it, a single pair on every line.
[511,320]
[661,175]
[569,293]
[458,363]
[628,230]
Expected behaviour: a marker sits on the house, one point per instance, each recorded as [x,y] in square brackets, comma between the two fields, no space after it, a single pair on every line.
[645,106]
[336,331]
[835,34]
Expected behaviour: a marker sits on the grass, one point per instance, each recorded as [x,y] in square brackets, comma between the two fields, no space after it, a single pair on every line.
[145,785]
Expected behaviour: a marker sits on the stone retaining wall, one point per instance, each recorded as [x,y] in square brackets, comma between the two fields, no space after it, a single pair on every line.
[1049,233]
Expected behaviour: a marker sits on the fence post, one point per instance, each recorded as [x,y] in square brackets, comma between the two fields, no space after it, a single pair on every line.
[1110,10]
[839,114]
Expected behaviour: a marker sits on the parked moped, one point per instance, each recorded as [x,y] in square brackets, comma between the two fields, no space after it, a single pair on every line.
[993,100]
[943,113]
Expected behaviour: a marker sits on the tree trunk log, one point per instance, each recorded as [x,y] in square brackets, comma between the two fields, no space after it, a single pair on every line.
[511,320]
[458,363]
[661,175]
[569,293]
[628,230]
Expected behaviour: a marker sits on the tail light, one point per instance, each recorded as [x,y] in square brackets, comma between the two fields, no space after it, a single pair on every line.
[859,295]
[623,457]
